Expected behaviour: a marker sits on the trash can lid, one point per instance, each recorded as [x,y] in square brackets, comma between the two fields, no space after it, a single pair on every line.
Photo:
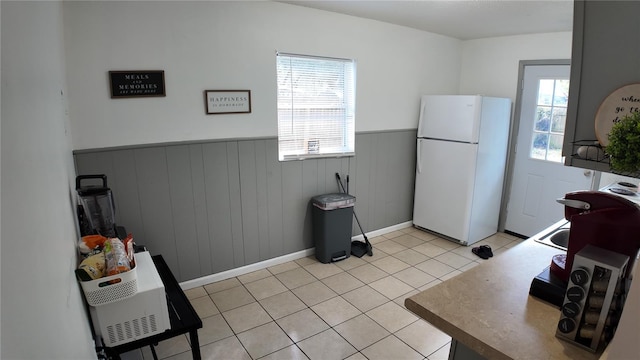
[333,201]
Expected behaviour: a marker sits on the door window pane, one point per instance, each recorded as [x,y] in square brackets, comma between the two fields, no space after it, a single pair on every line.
[555,148]
[550,118]
[558,120]
[561,93]
[543,118]
[545,92]
[539,145]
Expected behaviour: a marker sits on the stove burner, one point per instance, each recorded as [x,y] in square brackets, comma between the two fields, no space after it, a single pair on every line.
[627,184]
[621,191]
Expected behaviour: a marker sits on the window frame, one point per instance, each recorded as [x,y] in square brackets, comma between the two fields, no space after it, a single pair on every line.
[345,136]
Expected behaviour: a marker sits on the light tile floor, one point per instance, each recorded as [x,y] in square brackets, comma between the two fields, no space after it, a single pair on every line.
[352,309]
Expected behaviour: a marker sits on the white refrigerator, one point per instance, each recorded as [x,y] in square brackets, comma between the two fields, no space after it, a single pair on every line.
[461,157]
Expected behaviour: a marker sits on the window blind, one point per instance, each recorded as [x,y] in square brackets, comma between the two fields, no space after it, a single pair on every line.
[316,106]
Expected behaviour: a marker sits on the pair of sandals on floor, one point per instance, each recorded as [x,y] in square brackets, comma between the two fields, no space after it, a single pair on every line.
[484,251]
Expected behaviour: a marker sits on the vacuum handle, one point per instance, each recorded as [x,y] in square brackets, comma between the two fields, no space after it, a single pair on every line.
[347,183]
[340,185]
[79,179]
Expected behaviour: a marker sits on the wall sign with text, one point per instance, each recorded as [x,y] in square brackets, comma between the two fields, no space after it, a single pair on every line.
[227,101]
[142,83]
[623,101]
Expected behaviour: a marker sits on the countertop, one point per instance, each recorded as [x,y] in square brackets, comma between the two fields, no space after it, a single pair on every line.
[488,308]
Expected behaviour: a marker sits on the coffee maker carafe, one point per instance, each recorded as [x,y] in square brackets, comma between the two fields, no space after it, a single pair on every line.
[97,204]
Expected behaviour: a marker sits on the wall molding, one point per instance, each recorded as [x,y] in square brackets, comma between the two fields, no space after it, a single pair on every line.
[205,280]
[208,141]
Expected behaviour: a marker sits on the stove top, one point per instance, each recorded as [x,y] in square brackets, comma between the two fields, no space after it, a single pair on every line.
[623,189]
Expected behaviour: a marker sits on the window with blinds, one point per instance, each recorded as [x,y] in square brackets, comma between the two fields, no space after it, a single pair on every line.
[316,106]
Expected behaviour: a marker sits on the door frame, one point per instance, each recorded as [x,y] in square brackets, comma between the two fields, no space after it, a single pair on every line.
[513,136]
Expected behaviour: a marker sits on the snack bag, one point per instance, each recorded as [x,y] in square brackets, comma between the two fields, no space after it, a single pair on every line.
[128,245]
[92,267]
[115,257]
[89,243]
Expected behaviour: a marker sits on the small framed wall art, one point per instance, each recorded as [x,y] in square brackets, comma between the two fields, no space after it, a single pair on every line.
[136,83]
[227,101]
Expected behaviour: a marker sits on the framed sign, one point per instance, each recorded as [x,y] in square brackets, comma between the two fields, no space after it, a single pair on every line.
[227,101]
[140,83]
[623,101]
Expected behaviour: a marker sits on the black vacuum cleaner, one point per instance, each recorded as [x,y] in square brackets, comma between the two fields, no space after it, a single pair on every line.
[358,248]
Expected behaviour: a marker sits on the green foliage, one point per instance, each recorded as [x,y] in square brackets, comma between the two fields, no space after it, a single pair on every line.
[624,144]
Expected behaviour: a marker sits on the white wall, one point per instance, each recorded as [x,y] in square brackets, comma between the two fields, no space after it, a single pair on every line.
[43,315]
[608,178]
[232,45]
[490,66]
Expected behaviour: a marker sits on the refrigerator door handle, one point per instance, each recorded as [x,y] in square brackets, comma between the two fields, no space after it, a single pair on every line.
[419,152]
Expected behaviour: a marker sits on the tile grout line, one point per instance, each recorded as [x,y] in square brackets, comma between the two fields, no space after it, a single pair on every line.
[505,243]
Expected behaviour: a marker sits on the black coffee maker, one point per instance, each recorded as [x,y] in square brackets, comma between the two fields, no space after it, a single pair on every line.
[96,211]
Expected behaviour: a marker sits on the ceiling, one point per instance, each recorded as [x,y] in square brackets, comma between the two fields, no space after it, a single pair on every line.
[461,19]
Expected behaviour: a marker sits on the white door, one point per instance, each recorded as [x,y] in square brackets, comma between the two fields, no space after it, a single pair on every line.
[539,176]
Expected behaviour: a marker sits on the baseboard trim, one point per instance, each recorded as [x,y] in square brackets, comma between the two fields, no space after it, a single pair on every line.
[190,284]
[386,230]
[201,281]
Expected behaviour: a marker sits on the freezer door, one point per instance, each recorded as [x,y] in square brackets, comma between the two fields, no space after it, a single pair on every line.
[450,117]
[444,187]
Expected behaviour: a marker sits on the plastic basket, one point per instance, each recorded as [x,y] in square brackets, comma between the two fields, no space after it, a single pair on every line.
[110,289]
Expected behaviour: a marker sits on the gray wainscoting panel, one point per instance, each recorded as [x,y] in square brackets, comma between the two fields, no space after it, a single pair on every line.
[218,207]
[294,208]
[154,195]
[361,180]
[309,189]
[275,199]
[249,201]
[126,197]
[262,200]
[384,174]
[183,210]
[200,211]
[233,171]
[212,206]
[398,189]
